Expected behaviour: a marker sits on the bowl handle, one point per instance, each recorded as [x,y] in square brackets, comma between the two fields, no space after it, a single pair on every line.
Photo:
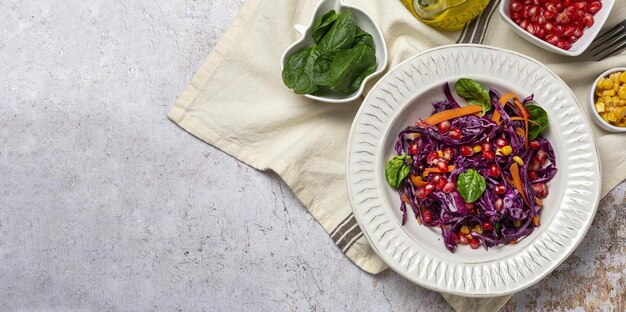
[301,29]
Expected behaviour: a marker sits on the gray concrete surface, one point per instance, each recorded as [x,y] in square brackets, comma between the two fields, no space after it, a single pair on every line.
[106,205]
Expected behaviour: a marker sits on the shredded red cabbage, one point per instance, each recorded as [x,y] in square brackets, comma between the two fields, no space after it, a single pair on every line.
[494,219]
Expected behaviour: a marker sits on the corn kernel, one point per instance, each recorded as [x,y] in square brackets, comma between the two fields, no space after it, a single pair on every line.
[611,117]
[507,150]
[622,77]
[622,95]
[518,160]
[610,109]
[619,112]
[465,230]
[604,117]
[476,149]
[477,229]
[600,107]
[616,86]
[440,154]
[608,92]
[599,84]
[621,103]
[598,92]
[607,83]
[607,99]
[621,124]
[469,236]
[615,100]
[517,223]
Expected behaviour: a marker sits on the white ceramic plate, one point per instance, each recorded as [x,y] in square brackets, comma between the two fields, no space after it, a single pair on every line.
[417,252]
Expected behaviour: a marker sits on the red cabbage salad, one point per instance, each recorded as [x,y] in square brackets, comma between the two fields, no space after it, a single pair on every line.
[478,172]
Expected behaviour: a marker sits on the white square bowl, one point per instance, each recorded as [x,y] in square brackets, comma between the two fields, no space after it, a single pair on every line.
[578,47]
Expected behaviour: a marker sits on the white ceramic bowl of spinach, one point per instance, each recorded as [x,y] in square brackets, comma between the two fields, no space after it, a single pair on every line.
[366,23]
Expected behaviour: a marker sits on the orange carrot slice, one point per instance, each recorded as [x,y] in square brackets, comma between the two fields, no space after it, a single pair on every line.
[520,132]
[523,112]
[496,117]
[536,220]
[538,201]
[503,100]
[452,113]
[417,180]
[517,181]
[435,170]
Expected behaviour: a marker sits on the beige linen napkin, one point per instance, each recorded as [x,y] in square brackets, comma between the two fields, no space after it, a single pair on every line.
[237,102]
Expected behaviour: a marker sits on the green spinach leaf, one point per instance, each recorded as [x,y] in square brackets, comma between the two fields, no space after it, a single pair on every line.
[323,24]
[397,169]
[341,35]
[349,65]
[474,93]
[538,115]
[320,71]
[364,38]
[294,73]
[471,185]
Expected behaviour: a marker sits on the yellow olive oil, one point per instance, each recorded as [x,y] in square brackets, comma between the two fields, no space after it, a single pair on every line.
[445,14]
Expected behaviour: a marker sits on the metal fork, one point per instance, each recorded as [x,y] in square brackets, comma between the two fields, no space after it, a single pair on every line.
[609,43]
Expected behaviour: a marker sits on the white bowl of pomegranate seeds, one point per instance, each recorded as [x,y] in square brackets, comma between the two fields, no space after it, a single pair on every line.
[561,26]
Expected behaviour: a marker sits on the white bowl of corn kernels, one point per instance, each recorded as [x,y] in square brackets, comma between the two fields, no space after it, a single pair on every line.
[608,100]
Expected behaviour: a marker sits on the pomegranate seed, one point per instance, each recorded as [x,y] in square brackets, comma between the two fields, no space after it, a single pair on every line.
[464,240]
[429,188]
[432,157]
[413,148]
[565,45]
[442,165]
[535,164]
[499,204]
[559,6]
[533,11]
[567,2]
[527,2]
[541,33]
[420,193]
[455,133]
[541,189]
[573,39]
[534,144]
[541,20]
[569,31]
[548,15]
[500,189]
[474,243]
[570,11]
[580,5]
[427,216]
[489,155]
[523,24]
[448,153]
[466,151]
[441,184]
[501,142]
[469,207]
[588,20]
[580,14]
[487,226]
[542,156]
[494,171]
[444,126]
[532,175]
[594,7]
[562,18]
[516,6]
[550,7]
[552,39]
[435,178]
[485,147]
[449,187]
[516,17]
